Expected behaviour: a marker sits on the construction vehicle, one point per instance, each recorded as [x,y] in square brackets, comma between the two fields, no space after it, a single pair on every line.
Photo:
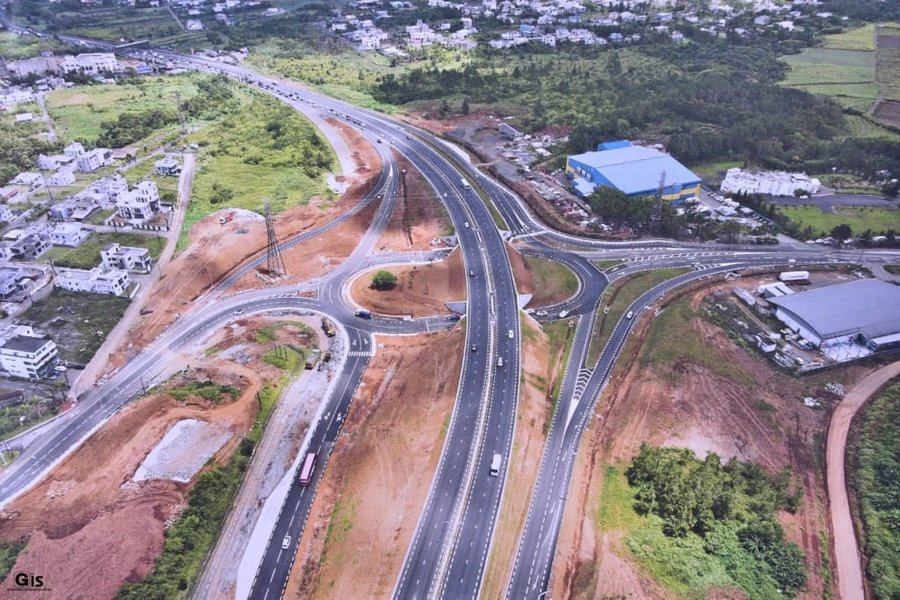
[227,218]
[312,359]
[328,328]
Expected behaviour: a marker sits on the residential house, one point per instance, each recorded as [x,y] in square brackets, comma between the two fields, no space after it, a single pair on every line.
[128,258]
[140,203]
[28,246]
[76,208]
[114,282]
[167,166]
[28,357]
[93,160]
[63,177]
[29,180]
[69,234]
[11,195]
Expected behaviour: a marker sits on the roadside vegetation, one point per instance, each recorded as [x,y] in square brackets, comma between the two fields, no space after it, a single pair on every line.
[696,525]
[87,255]
[9,552]
[875,462]
[860,219]
[553,281]
[561,334]
[17,417]
[618,297]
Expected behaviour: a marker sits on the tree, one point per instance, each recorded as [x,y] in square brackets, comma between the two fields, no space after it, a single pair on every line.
[730,231]
[842,232]
[384,280]
[220,194]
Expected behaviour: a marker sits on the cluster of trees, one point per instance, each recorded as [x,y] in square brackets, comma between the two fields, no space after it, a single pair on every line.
[19,153]
[131,127]
[384,280]
[732,507]
[876,470]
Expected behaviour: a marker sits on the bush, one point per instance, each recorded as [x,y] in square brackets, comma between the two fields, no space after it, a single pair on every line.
[384,280]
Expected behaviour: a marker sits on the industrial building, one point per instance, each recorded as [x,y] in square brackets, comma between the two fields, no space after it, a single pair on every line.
[865,312]
[633,170]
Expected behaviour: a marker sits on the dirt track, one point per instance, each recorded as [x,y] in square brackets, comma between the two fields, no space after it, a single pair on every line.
[846,549]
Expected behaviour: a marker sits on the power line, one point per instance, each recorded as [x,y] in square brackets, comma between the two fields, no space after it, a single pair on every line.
[274,260]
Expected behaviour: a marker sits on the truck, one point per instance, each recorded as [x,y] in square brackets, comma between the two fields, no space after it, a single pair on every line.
[312,359]
[495,465]
[227,218]
[328,328]
[363,314]
[464,183]
[309,467]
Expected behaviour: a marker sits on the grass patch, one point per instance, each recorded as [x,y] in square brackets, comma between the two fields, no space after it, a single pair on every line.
[892,269]
[847,75]
[606,264]
[87,255]
[339,526]
[876,464]
[208,390]
[17,47]
[560,334]
[284,358]
[77,322]
[553,281]
[715,170]
[673,343]
[859,38]
[859,218]
[16,418]
[618,297]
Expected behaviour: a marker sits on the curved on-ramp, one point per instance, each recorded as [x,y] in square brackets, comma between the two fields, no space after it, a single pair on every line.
[846,549]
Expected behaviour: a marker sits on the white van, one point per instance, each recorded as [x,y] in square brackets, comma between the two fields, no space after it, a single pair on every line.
[495,465]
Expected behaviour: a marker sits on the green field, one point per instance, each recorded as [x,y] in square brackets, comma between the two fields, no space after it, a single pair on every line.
[859,218]
[859,38]
[87,255]
[846,75]
[889,61]
[78,112]
[17,47]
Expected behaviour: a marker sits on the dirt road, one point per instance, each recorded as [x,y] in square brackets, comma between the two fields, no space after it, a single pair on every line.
[846,550]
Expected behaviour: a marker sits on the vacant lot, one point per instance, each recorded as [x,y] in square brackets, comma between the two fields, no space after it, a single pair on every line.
[548,281]
[859,219]
[87,255]
[77,112]
[77,322]
[858,38]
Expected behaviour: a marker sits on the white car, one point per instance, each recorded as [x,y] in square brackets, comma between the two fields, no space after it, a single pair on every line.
[510,334]
[286,542]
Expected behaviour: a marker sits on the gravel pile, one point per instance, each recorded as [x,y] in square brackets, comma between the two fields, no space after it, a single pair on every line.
[182,452]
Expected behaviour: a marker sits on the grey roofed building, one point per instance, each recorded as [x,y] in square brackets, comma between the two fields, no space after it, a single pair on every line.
[837,313]
[24,343]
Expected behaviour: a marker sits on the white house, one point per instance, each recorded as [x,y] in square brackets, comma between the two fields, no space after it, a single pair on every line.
[69,234]
[28,357]
[136,260]
[96,281]
[65,176]
[93,160]
[28,179]
[140,203]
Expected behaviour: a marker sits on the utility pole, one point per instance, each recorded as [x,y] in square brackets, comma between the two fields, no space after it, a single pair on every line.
[656,209]
[274,260]
[181,120]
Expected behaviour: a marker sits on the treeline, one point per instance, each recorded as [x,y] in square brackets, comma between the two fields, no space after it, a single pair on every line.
[19,153]
[731,507]
[876,463]
[708,101]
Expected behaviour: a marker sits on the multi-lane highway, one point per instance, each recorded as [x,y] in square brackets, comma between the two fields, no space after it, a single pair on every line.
[449,549]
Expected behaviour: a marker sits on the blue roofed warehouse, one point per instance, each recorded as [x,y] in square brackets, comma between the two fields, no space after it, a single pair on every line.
[633,170]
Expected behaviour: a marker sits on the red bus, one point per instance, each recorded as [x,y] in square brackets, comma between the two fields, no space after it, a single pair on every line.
[309,466]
